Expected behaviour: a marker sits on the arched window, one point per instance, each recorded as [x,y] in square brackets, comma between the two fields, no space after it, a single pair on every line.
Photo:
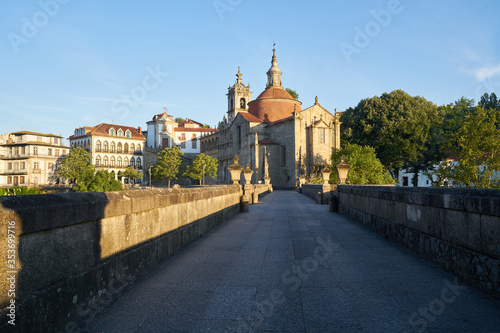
[113,161]
[125,162]
[132,162]
[120,162]
[119,149]
[125,148]
[132,148]
[139,148]
[120,132]
[98,146]
[112,132]
[105,161]
[98,161]
[128,134]
[113,147]
[106,146]
[242,103]
[139,163]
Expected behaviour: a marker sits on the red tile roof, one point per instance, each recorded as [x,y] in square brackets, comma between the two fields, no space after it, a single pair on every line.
[187,129]
[250,117]
[103,130]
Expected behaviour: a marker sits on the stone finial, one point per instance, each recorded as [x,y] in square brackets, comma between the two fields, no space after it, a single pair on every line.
[343,169]
[235,170]
[316,101]
[326,174]
[248,174]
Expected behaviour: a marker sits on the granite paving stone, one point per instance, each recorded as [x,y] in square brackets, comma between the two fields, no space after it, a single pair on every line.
[289,265]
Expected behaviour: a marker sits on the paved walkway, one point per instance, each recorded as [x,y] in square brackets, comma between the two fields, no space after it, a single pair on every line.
[291,266]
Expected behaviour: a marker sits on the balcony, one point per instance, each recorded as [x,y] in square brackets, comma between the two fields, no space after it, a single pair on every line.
[14,172]
[26,156]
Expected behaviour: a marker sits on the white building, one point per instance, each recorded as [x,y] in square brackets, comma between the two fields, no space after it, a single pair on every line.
[112,147]
[29,159]
[164,132]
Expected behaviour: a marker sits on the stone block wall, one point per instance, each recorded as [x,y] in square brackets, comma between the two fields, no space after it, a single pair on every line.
[319,193]
[457,228]
[76,251]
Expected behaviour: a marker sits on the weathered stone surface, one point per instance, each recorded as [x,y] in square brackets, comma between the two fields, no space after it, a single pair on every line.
[73,249]
[456,228]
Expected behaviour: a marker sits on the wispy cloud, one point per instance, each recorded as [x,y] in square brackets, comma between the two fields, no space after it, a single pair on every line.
[485,73]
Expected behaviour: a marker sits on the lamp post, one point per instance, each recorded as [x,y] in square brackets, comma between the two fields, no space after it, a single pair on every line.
[150,185]
[203,175]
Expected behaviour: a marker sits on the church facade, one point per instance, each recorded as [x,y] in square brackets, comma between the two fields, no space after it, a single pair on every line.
[297,142]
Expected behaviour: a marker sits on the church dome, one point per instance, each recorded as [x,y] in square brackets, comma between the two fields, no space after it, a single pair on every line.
[273,104]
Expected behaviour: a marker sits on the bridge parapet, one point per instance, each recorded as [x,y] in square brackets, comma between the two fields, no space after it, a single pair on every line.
[457,228]
[73,251]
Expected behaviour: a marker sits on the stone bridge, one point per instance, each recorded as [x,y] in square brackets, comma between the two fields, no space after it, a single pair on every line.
[288,265]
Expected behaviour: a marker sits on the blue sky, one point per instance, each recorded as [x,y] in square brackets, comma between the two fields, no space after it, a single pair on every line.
[72,63]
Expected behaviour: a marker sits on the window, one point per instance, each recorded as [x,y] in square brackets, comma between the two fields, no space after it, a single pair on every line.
[183,140]
[23,150]
[321,135]
[120,132]
[139,163]
[119,162]
[9,166]
[16,151]
[125,148]
[119,149]
[132,162]
[239,137]
[242,103]
[106,146]
[139,148]
[105,161]
[132,148]
[57,152]
[125,162]
[23,165]
[35,151]
[128,134]
[193,142]
[113,147]
[112,132]
[36,165]
[98,146]
[98,161]
[49,151]
[9,180]
[22,180]
[113,161]
[51,166]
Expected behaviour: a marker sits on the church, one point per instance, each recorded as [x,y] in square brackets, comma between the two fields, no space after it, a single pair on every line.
[298,143]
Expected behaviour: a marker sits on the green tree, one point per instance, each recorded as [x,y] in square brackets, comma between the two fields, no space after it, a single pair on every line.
[167,165]
[179,120]
[476,145]
[293,93]
[132,173]
[366,168]
[102,181]
[203,165]
[400,128]
[76,165]
[489,102]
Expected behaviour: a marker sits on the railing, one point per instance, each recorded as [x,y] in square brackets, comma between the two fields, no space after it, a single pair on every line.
[27,155]
[14,172]
[137,152]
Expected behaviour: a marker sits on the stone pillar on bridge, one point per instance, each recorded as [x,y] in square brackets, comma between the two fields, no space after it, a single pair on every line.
[249,189]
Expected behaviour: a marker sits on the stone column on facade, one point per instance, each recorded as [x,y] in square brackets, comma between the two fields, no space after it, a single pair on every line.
[267,179]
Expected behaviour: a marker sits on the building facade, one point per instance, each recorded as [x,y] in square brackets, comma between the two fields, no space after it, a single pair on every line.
[297,142]
[29,159]
[164,132]
[112,147]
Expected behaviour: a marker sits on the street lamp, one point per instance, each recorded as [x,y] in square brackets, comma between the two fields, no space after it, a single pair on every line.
[150,185]
[203,175]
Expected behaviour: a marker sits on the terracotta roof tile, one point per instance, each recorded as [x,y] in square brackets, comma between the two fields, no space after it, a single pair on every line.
[250,117]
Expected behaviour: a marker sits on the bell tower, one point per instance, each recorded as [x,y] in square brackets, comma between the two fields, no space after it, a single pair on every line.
[238,97]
